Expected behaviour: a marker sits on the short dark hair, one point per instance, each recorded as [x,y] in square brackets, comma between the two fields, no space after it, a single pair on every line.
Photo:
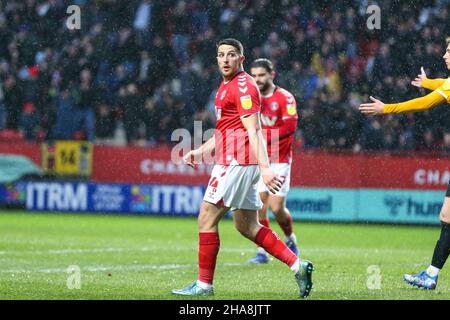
[263,63]
[232,42]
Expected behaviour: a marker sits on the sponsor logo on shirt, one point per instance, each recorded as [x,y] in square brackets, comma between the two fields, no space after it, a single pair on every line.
[246,102]
[268,121]
[291,109]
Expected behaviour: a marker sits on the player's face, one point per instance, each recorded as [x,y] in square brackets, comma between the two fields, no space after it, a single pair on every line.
[447,57]
[262,77]
[229,60]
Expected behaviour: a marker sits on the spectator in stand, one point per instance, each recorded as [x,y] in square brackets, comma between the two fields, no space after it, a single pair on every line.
[105,124]
[86,103]
[66,118]
[132,106]
[324,54]
[29,122]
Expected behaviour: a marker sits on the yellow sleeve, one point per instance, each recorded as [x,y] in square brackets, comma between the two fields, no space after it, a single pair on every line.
[444,90]
[432,84]
[429,101]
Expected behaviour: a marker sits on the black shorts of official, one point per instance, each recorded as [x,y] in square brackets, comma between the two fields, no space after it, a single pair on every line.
[448,190]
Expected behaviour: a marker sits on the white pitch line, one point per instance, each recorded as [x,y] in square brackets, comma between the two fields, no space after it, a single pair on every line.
[74,251]
[113,250]
[182,248]
[124,268]
[117,268]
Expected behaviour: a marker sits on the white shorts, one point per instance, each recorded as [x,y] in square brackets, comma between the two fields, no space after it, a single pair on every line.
[234,187]
[282,170]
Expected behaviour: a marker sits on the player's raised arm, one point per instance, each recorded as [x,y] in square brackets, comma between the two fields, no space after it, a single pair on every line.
[422,81]
[420,104]
[440,94]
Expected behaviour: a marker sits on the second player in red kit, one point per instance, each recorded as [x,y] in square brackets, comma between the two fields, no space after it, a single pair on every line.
[279,122]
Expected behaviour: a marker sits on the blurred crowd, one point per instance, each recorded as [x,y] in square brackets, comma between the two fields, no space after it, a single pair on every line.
[136,70]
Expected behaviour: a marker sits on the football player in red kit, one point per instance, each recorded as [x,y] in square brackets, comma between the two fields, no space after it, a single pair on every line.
[241,158]
[279,122]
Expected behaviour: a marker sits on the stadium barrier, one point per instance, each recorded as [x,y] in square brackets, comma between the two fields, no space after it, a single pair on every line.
[103,198]
[325,187]
[305,204]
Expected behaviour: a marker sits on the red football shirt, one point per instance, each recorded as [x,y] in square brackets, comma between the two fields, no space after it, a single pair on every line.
[279,112]
[238,97]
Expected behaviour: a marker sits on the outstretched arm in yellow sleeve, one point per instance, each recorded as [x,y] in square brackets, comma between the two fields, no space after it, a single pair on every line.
[377,107]
[422,81]
[432,84]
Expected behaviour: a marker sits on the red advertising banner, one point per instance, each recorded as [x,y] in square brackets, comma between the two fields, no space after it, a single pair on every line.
[144,165]
[29,150]
[370,171]
[309,169]
[405,173]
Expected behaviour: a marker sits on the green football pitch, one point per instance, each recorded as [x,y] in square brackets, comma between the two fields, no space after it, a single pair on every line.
[133,257]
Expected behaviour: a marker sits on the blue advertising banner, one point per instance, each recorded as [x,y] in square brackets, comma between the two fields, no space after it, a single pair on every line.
[92,197]
[12,193]
[165,199]
[313,204]
[57,196]
[108,197]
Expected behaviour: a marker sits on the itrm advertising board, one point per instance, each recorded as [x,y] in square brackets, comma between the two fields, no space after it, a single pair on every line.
[305,204]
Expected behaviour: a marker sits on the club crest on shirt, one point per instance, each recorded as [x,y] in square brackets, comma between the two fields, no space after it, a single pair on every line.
[274,106]
[222,96]
[246,102]
[291,109]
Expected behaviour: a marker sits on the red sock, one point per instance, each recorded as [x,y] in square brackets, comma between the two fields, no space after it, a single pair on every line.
[209,243]
[270,241]
[287,227]
[265,222]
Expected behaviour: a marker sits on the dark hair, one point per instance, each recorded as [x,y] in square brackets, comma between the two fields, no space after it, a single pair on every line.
[263,63]
[232,42]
